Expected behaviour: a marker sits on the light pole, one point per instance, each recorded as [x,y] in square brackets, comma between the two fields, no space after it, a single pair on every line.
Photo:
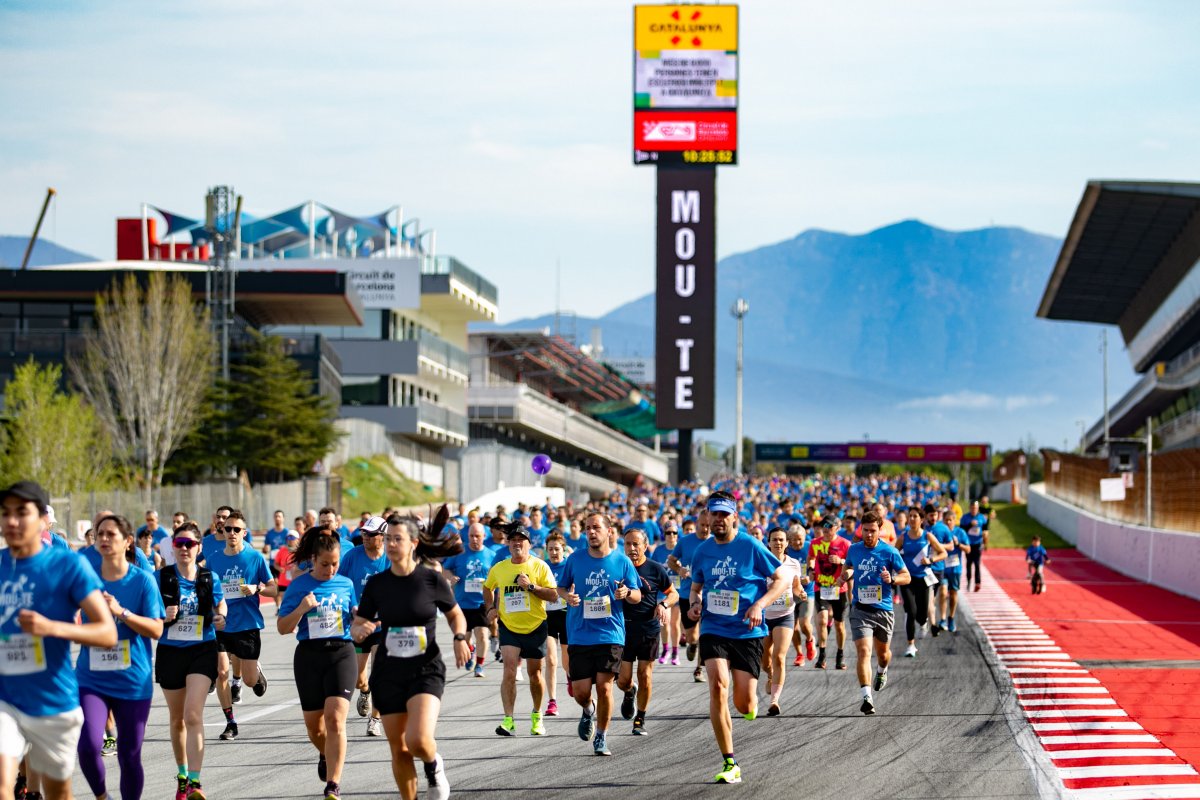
[739,311]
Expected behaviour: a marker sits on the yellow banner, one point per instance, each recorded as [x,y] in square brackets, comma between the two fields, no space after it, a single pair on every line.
[658,28]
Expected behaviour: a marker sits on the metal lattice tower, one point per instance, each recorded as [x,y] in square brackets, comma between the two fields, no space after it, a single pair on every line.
[222,217]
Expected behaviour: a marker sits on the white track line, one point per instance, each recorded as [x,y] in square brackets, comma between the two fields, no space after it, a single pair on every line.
[1113,752]
[1069,701]
[1125,771]
[1161,791]
[1115,738]
[1066,713]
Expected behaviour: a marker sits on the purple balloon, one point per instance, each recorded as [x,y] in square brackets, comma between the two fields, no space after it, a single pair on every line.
[541,463]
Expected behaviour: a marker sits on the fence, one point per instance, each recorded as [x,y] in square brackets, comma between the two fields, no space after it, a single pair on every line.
[1174,490]
[199,501]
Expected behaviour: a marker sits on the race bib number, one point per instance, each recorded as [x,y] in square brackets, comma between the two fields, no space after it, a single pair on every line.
[473,585]
[109,659]
[952,560]
[21,654]
[187,628]
[325,623]
[724,603]
[783,603]
[406,642]
[516,602]
[830,592]
[676,581]
[931,579]
[232,589]
[870,595]
[557,605]
[597,607]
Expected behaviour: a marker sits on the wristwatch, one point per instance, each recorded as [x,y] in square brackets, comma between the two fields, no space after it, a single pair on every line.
[663,603]
[460,637]
[124,613]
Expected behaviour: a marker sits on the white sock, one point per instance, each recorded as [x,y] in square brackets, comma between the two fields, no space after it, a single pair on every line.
[866,691]
[883,670]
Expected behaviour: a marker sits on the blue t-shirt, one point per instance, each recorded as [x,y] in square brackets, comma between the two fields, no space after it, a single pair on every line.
[660,553]
[914,552]
[499,548]
[869,588]
[1037,555]
[125,672]
[733,575]
[52,582]
[557,571]
[471,568]
[249,567]
[641,620]
[276,539]
[176,635]
[158,533]
[331,617]
[953,562]
[598,618]
[941,531]
[975,525]
[94,558]
[684,550]
[211,544]
[358,566]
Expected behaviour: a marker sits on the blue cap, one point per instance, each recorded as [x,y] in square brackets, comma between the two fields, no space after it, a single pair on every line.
[722,504]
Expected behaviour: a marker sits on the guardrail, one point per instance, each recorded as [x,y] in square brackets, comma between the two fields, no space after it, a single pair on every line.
[448,265]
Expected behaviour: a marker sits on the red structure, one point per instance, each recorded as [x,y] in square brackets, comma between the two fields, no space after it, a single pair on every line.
[129,244]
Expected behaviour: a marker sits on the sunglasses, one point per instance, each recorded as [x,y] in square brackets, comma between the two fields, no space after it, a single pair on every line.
[186,544]
[233,529]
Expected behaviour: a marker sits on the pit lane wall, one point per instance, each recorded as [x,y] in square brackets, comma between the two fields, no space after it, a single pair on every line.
[1170,559]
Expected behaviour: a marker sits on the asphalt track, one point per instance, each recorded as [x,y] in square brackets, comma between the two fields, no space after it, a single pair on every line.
[947,727]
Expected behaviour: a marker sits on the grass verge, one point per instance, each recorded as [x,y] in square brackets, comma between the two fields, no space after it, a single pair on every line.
[373,484]
[1013,527]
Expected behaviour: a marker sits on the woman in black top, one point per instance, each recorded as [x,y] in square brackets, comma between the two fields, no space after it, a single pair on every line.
[408,675]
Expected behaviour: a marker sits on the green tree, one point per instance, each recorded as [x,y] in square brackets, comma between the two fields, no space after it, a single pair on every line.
[52,437]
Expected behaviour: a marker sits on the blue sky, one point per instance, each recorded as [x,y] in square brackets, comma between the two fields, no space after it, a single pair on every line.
[506,125]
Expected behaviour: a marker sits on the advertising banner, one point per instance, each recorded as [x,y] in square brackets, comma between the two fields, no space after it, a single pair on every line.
[875,452]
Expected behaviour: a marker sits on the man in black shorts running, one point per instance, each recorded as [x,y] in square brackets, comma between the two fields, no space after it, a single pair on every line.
[643,624]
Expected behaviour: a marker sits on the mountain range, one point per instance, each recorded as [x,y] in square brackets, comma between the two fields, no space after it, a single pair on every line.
[12,250]
[906,333]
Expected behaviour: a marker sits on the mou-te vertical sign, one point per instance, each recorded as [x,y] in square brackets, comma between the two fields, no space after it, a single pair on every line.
[685,124]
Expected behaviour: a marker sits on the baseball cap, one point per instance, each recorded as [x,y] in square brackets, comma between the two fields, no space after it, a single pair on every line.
[517,531]
[29,491]
[372,525]
[293,535]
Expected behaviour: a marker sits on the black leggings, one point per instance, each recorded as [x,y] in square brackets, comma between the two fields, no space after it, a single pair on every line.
[973,562]
[916,606]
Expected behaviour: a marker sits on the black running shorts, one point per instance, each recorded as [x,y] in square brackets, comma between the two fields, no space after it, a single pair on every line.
[324,668]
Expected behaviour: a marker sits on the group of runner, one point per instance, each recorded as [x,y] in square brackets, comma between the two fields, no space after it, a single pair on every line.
[734,575]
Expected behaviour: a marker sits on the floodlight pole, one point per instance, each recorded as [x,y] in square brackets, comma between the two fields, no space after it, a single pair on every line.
[1149,471]
[739,311]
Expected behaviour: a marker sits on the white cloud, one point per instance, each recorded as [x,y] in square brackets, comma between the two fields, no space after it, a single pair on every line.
[966,400]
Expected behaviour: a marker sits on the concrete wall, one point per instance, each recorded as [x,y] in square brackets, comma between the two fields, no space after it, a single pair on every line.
[1170,559]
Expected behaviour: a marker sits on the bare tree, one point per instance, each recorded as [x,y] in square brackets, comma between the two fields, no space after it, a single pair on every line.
[146,369]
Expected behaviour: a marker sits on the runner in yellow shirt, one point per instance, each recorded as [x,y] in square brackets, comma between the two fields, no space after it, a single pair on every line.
[516,592]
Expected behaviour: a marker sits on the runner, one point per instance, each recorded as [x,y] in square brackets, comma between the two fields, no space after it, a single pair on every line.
[672,631]
[643,623]
[920,549]
[781,617]
[802,631]
[117,681]
[467,572]
[185,661]
[976,525]
[738,579]
[318,609]
[244,575]
[1036,558]
[556,624]
[938,592]
[515,594]
[680,563]
[875,567]
[39,695]
[957,544]
[283,564]
[593,582]
[408,675]
[359,565]
[827,558]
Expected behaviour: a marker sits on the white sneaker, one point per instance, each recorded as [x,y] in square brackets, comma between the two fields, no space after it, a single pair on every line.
[910,651]
[520,673]
[435,777]
[921,631]
[374,726]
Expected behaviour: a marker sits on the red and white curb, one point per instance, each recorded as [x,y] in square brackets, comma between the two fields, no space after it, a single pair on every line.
[1098,752]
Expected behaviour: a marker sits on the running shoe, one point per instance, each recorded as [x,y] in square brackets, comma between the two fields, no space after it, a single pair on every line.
[110,746]
[820,661]
[639,727]
[773,709]
[536,727]
[235,691]
[627,703]
[910,651]
[841,661]
[880,681]
[811,649]
[520,674]
[332,791]
[479,673]
[663,658]
[507,727]
[260,686]
[230,732]
[364,703]
[470,663]
[374,726]
[498,656]
[322,770]
[798,661]
[868,706]
[19,788]
[212,687]
[751,715]
[552,708]
[977,587]
[691,652]
[698,675]
[674,658]
[587,725]
[935,630]
[730,773]
[194,791]
[921,631]
[950,626]
[438,788]
[181,787]
[600,745]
